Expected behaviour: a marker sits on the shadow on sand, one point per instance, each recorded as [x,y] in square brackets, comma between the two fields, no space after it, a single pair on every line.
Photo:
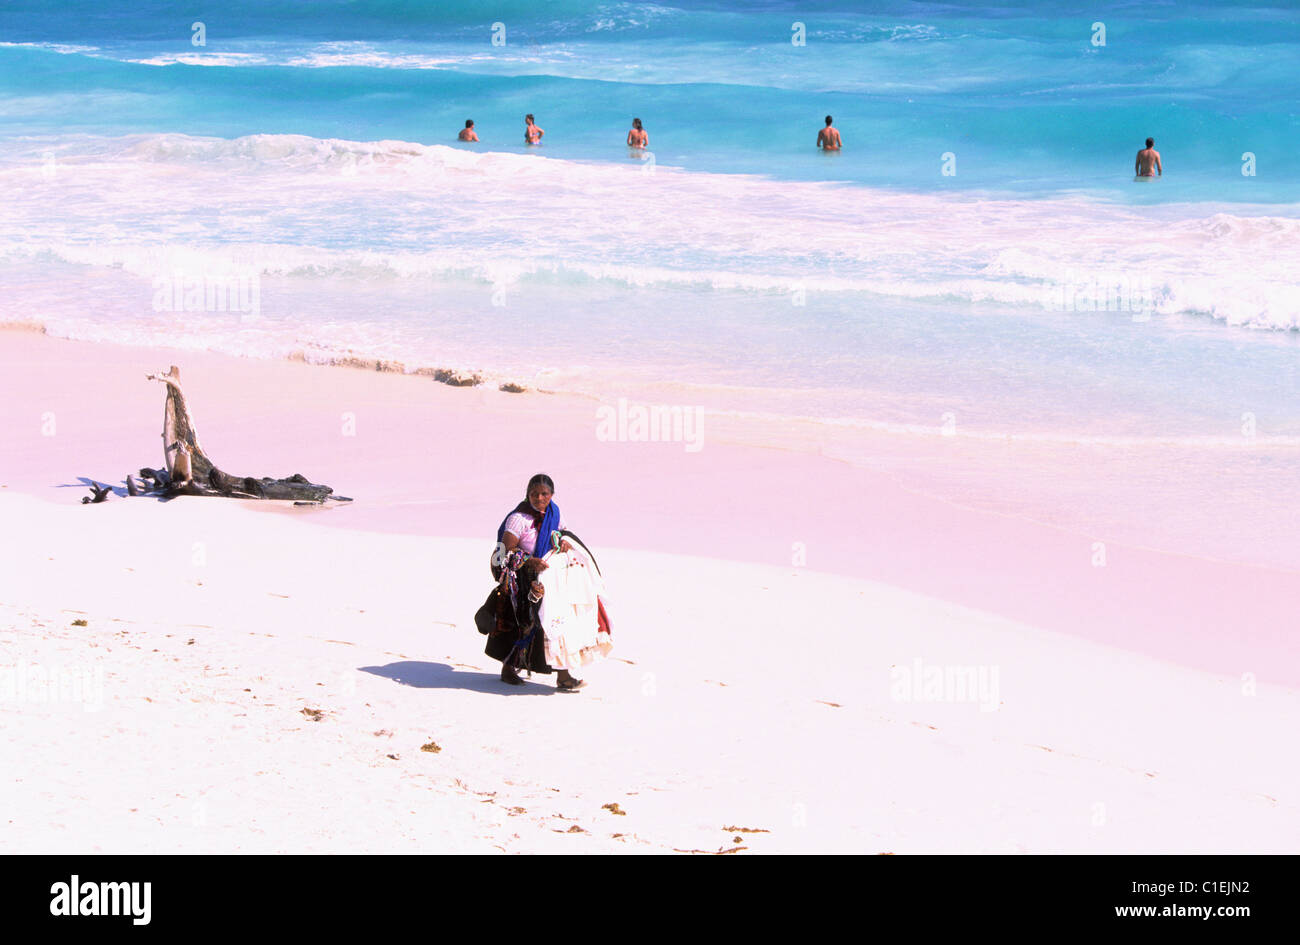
[118,491]
[441,676]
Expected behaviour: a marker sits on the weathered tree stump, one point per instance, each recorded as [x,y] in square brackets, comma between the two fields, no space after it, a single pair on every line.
[189,471]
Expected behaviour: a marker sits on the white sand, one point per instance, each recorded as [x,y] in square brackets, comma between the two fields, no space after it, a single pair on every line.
[741,695]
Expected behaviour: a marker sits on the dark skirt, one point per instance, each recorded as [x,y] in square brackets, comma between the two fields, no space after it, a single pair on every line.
[508,632]
[529,656]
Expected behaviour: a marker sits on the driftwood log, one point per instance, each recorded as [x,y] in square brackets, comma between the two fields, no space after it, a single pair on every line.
[188,471]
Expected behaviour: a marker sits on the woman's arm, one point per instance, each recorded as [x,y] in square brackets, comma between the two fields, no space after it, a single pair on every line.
[510,541]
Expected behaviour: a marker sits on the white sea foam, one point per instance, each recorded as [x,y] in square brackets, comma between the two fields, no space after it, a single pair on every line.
[67,49]
[204,59]
[382,205]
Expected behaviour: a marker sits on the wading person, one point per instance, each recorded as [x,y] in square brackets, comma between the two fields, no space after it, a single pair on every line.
[1148,159]
[828,139]
[532,134]
[638,138]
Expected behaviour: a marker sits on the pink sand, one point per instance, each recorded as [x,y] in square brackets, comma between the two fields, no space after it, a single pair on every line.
[269,678]
[428,459]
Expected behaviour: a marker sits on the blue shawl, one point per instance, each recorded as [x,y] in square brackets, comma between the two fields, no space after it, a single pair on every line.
[550,523]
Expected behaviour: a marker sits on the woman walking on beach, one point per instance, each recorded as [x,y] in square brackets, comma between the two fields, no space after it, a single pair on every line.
[532,134]
[523,538]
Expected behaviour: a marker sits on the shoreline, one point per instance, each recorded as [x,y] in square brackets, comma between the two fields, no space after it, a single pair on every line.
[730,501]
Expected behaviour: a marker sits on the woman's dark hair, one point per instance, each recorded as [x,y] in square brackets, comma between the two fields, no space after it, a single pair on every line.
[636,123]
[528,118]
[541,479]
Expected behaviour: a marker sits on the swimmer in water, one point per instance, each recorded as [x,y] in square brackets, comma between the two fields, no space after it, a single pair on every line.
[467,133]
[828,139]
[637,137]
[1147,159]
[532,134]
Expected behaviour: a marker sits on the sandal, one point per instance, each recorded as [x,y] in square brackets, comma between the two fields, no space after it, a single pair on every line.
[570,684]
[508,675]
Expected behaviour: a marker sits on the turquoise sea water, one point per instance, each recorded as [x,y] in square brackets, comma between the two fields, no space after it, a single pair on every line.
[977,260]
[1023,97]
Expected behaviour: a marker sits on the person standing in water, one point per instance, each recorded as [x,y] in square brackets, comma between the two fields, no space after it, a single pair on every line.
[637,137]
[828,139]
[532,134]
[1147,159]
[467,133]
